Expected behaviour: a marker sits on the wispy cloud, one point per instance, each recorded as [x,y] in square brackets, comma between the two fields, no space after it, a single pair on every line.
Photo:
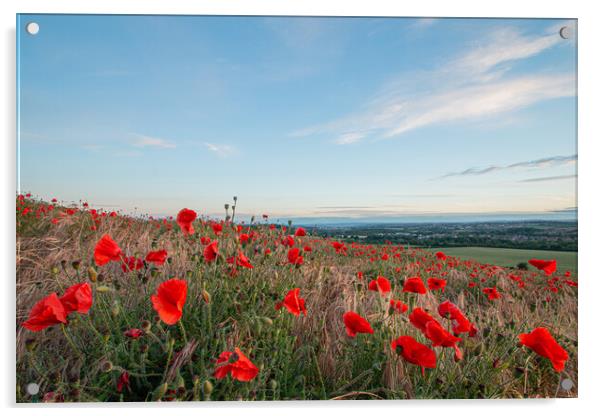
[149,141]
[539,163]
[550,178]
[468,87]
[222,150]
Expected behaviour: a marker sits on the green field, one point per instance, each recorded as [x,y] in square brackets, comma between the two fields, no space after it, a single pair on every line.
[567,260]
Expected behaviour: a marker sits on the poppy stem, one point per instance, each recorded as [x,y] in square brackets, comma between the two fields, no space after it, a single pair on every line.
[70,341]
[183,331]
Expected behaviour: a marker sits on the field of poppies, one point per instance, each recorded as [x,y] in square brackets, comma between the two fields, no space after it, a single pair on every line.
[116,308]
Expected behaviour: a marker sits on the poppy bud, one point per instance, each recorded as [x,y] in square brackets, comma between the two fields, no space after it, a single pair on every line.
[206,296]
[54,270]
[92,275]
[273,384]
[180,381]
[207,388]
[106,366]
[103,289]
[267,320]
[145,326]
[159,392]
[115,309]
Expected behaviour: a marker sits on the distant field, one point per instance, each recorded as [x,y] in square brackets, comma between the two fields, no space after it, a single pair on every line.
[510,257]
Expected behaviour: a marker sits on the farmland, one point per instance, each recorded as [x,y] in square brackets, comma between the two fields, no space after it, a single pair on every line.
[116,308]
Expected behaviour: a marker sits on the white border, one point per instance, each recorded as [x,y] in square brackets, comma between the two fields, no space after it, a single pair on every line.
[590,340]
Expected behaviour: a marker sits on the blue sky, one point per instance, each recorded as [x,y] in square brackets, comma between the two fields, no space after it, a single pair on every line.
[299,117]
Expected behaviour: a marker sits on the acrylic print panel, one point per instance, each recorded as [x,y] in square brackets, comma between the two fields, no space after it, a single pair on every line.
[284,208]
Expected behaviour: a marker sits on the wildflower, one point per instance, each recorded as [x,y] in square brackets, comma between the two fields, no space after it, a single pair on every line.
[288,241]
[414,352]
[106,250]
[210,252]
[355,324]
[294,256]
[217,228]
[547,266]
[47,312]
[237,365]
[440,255]
[77,298]
[241,260]
[131,263]
[398,306]
[157,257]
[460,322]
[293,303]
[300,232]
[123,381]
[414,285]
[170,299]
[185,219]
[134,333]
[243,238]
[541,341]
[492,293]
[436,284]
[380,284]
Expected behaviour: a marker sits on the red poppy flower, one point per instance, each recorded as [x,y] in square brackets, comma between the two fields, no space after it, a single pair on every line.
[338,246]
[541,341]
[134,333]
[205,240]
[414,352]
[460,323]
[398,306]
[300,232]
[293,303]
[360,275]
[492,293]
[217,228]
[436,284]
[288,241]
[157,257]
[210,252]
[106,250]
[237,365]
[123,381]
[414,285]
[419,318]
[355,324]
[185,219]
[131,263]
[440,255]
[47,312]
[77,298]
[547,266]
[243,238]
[439,336]
[170,299]
[294,256]
[240,260]
[380,284]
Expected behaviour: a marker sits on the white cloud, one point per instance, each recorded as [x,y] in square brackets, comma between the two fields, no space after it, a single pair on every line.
[469,87]
[148,141]
[222,150]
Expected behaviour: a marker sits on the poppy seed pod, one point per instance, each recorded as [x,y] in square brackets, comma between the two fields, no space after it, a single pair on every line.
[145,326]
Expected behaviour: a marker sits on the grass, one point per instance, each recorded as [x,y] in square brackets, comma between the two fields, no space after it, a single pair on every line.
[509,257]
[299,357]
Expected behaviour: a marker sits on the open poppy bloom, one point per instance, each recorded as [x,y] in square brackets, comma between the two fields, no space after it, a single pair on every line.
[47,312]
[398,306]
[338,246]
[414,352]
[419,318]
[185,219]
[106,250]
[157,257]
[293,303]
[294,256]
[440,255]
[355,324]
[288,241]
[436,284]
[380,284]
[541,341]
[131,263]
[300,232]
[78,298]
[237,365]
[170,299]
[414,285]
[241,260]
[547,266]
[492,293]
[210,252]
[217,228]
[460,322]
